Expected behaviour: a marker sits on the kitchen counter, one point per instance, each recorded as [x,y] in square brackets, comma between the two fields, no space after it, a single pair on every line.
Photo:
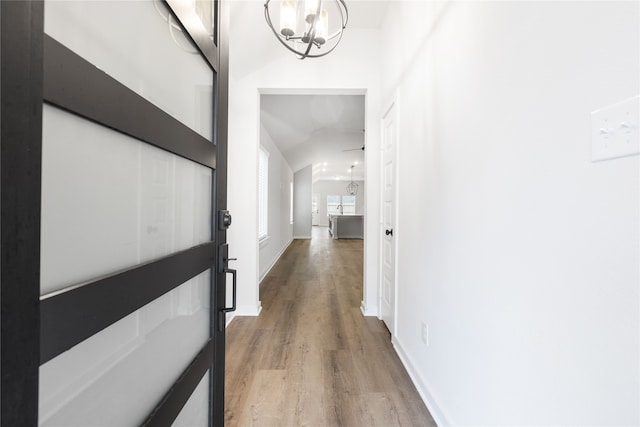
[346,226]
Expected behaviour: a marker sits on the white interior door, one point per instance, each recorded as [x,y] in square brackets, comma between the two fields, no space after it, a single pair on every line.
[388,289]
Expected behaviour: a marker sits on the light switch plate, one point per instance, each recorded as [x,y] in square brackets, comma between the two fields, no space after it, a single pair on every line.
[614,130]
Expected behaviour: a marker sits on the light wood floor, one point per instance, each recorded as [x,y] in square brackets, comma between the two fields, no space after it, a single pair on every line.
[311,358]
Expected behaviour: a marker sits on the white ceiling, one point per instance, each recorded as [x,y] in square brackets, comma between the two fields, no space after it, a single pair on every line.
[316,129]
[366,14]
[363,14]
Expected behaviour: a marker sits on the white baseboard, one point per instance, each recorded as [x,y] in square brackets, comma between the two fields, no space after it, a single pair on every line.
[428,398]
[366,311]
[244,310]
[301,237]
[275,260]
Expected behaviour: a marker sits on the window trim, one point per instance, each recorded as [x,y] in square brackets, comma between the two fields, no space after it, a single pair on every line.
[291,202]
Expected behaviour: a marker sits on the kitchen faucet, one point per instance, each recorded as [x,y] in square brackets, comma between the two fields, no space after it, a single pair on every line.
[339,207]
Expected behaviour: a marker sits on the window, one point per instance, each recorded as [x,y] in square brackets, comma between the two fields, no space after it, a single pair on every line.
[341,204]
[349,204]
[290,202]
[314,203]
[263,193]
[333,204]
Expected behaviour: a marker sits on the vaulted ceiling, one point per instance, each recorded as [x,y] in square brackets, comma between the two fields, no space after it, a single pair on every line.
[326,131]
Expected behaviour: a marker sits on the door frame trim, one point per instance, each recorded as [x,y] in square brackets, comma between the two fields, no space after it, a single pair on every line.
[392,104]
[21,37]
[190,21]
[219,284]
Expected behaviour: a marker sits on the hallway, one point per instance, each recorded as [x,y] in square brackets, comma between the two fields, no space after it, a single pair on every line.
[311,357]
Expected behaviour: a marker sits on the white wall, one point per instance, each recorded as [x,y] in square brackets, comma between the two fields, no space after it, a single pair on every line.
[302,203]
[323,188]
[279,228]
[520,254]
[258,63]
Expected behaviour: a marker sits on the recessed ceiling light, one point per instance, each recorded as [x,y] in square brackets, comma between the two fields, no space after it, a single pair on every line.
[324,164]
[324,169]
[356,162]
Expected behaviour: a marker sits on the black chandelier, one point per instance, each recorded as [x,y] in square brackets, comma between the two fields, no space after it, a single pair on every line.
[307,27]
[352,187]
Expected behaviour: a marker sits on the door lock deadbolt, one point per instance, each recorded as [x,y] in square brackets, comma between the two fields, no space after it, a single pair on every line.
[224,219]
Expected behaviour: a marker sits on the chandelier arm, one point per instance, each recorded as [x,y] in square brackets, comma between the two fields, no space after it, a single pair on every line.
[312,35]
[319,55]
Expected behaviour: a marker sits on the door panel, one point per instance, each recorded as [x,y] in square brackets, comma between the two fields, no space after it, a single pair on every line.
[139,346]
[195,411]
[387,303]
[86,168]
[86,336]
[131,42]
[110,201]
[117,376]
[156,197]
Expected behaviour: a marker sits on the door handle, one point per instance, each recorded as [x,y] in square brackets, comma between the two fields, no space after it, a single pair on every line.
[222,314]
[233,305]
[389,232]
[223,267]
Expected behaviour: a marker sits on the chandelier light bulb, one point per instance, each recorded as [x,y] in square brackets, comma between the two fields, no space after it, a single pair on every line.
[288,13]
[310,10]
[322,27]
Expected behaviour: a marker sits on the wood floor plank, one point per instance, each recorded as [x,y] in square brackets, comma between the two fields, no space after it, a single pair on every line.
[311,358]
[265,403]
[305,395]
[378,410]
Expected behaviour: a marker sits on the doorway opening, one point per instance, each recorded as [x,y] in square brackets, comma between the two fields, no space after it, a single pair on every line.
[315,184]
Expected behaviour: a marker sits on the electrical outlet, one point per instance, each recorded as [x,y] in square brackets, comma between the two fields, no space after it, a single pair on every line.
[425,333]
[614,130]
